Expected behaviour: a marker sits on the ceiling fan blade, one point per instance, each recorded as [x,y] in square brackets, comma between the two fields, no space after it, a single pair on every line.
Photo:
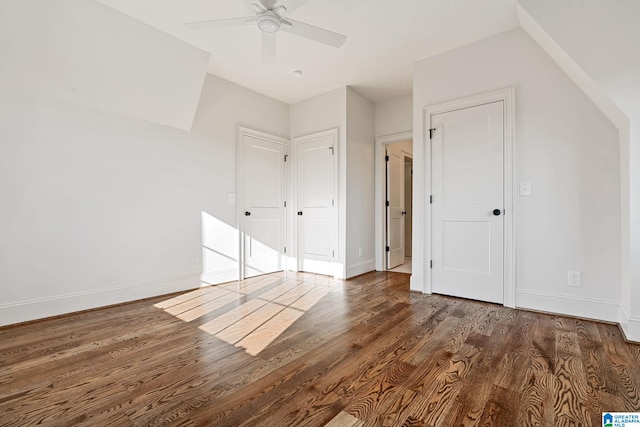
[268,48]
[290,5]
[314,33]
[257,6]
[220,23]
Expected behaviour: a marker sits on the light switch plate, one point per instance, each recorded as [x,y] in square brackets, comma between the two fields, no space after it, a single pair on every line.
[525,188]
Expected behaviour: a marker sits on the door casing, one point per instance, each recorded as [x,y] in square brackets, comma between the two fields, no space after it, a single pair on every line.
[381,194]
[391,150]
[241,191]
[295,261]
[422,260]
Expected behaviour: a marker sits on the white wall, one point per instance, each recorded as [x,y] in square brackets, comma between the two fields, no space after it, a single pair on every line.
[353,116]
[97,208]
[100,208]
[568,150]
[599,41]
[394,116]
[68,50]
[323,112]
[360,184]
[224,106]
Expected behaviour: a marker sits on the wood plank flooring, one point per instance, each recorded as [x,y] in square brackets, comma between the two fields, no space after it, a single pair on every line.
[301,349]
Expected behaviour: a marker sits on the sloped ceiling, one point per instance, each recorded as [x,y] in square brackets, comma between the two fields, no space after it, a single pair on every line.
[602,38]
[85,53]
[384,39]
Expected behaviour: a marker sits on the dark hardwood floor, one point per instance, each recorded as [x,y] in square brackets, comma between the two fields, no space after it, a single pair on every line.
[301,349]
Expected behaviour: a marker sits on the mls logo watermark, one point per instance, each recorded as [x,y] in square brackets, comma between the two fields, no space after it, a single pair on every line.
[621,419]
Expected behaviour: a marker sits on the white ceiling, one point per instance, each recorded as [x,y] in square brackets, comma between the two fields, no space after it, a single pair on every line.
[384,39]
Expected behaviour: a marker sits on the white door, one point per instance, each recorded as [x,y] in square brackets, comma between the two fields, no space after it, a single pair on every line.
[316,203]
[395,206]
[264,204]
[467,206]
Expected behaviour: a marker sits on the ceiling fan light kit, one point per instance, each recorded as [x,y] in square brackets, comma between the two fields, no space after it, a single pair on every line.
[269,21]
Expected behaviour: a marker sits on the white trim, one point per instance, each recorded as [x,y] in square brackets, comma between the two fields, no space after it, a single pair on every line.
[219,276]
[588,308]
[629,324]
[360,268]
[240,190]
[40,308]
[380,196]
[337,267]
[507,96]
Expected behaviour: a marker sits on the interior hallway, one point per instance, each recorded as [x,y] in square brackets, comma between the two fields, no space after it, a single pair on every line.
[404,267]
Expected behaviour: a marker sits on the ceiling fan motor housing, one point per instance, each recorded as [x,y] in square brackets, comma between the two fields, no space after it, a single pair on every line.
[269,22]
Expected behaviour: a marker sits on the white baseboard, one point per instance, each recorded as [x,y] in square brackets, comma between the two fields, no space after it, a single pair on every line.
[416,284]
[361,268]
[630,325]
[24,311]
[220,276]
[587,308]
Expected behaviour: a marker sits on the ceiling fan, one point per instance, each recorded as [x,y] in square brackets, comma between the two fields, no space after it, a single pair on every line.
[271,17]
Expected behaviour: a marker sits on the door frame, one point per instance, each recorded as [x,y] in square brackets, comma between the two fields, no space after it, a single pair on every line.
[507,96]
[337,269]
[240,190]
[381,193]
[405,156]
[408,235]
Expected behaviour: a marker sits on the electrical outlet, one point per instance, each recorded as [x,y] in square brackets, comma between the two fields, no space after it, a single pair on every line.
[194,262]
[575,279]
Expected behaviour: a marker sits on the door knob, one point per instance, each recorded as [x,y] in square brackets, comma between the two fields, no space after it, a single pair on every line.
[300,213]
[247,213]
[497,212]
[404,212]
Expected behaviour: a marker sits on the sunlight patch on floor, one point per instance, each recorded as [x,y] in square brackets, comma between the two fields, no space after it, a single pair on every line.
[266,311]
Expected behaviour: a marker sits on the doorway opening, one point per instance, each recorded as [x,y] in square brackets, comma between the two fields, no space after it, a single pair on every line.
[399,206]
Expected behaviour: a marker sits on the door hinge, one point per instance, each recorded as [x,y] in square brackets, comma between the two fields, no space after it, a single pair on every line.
[431,264]
[332,202]
[387,249]
[285,249]
[386,158]
[285,203]
[430,199]
[387,203]
[431,132]
[285,157]
[333,254]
